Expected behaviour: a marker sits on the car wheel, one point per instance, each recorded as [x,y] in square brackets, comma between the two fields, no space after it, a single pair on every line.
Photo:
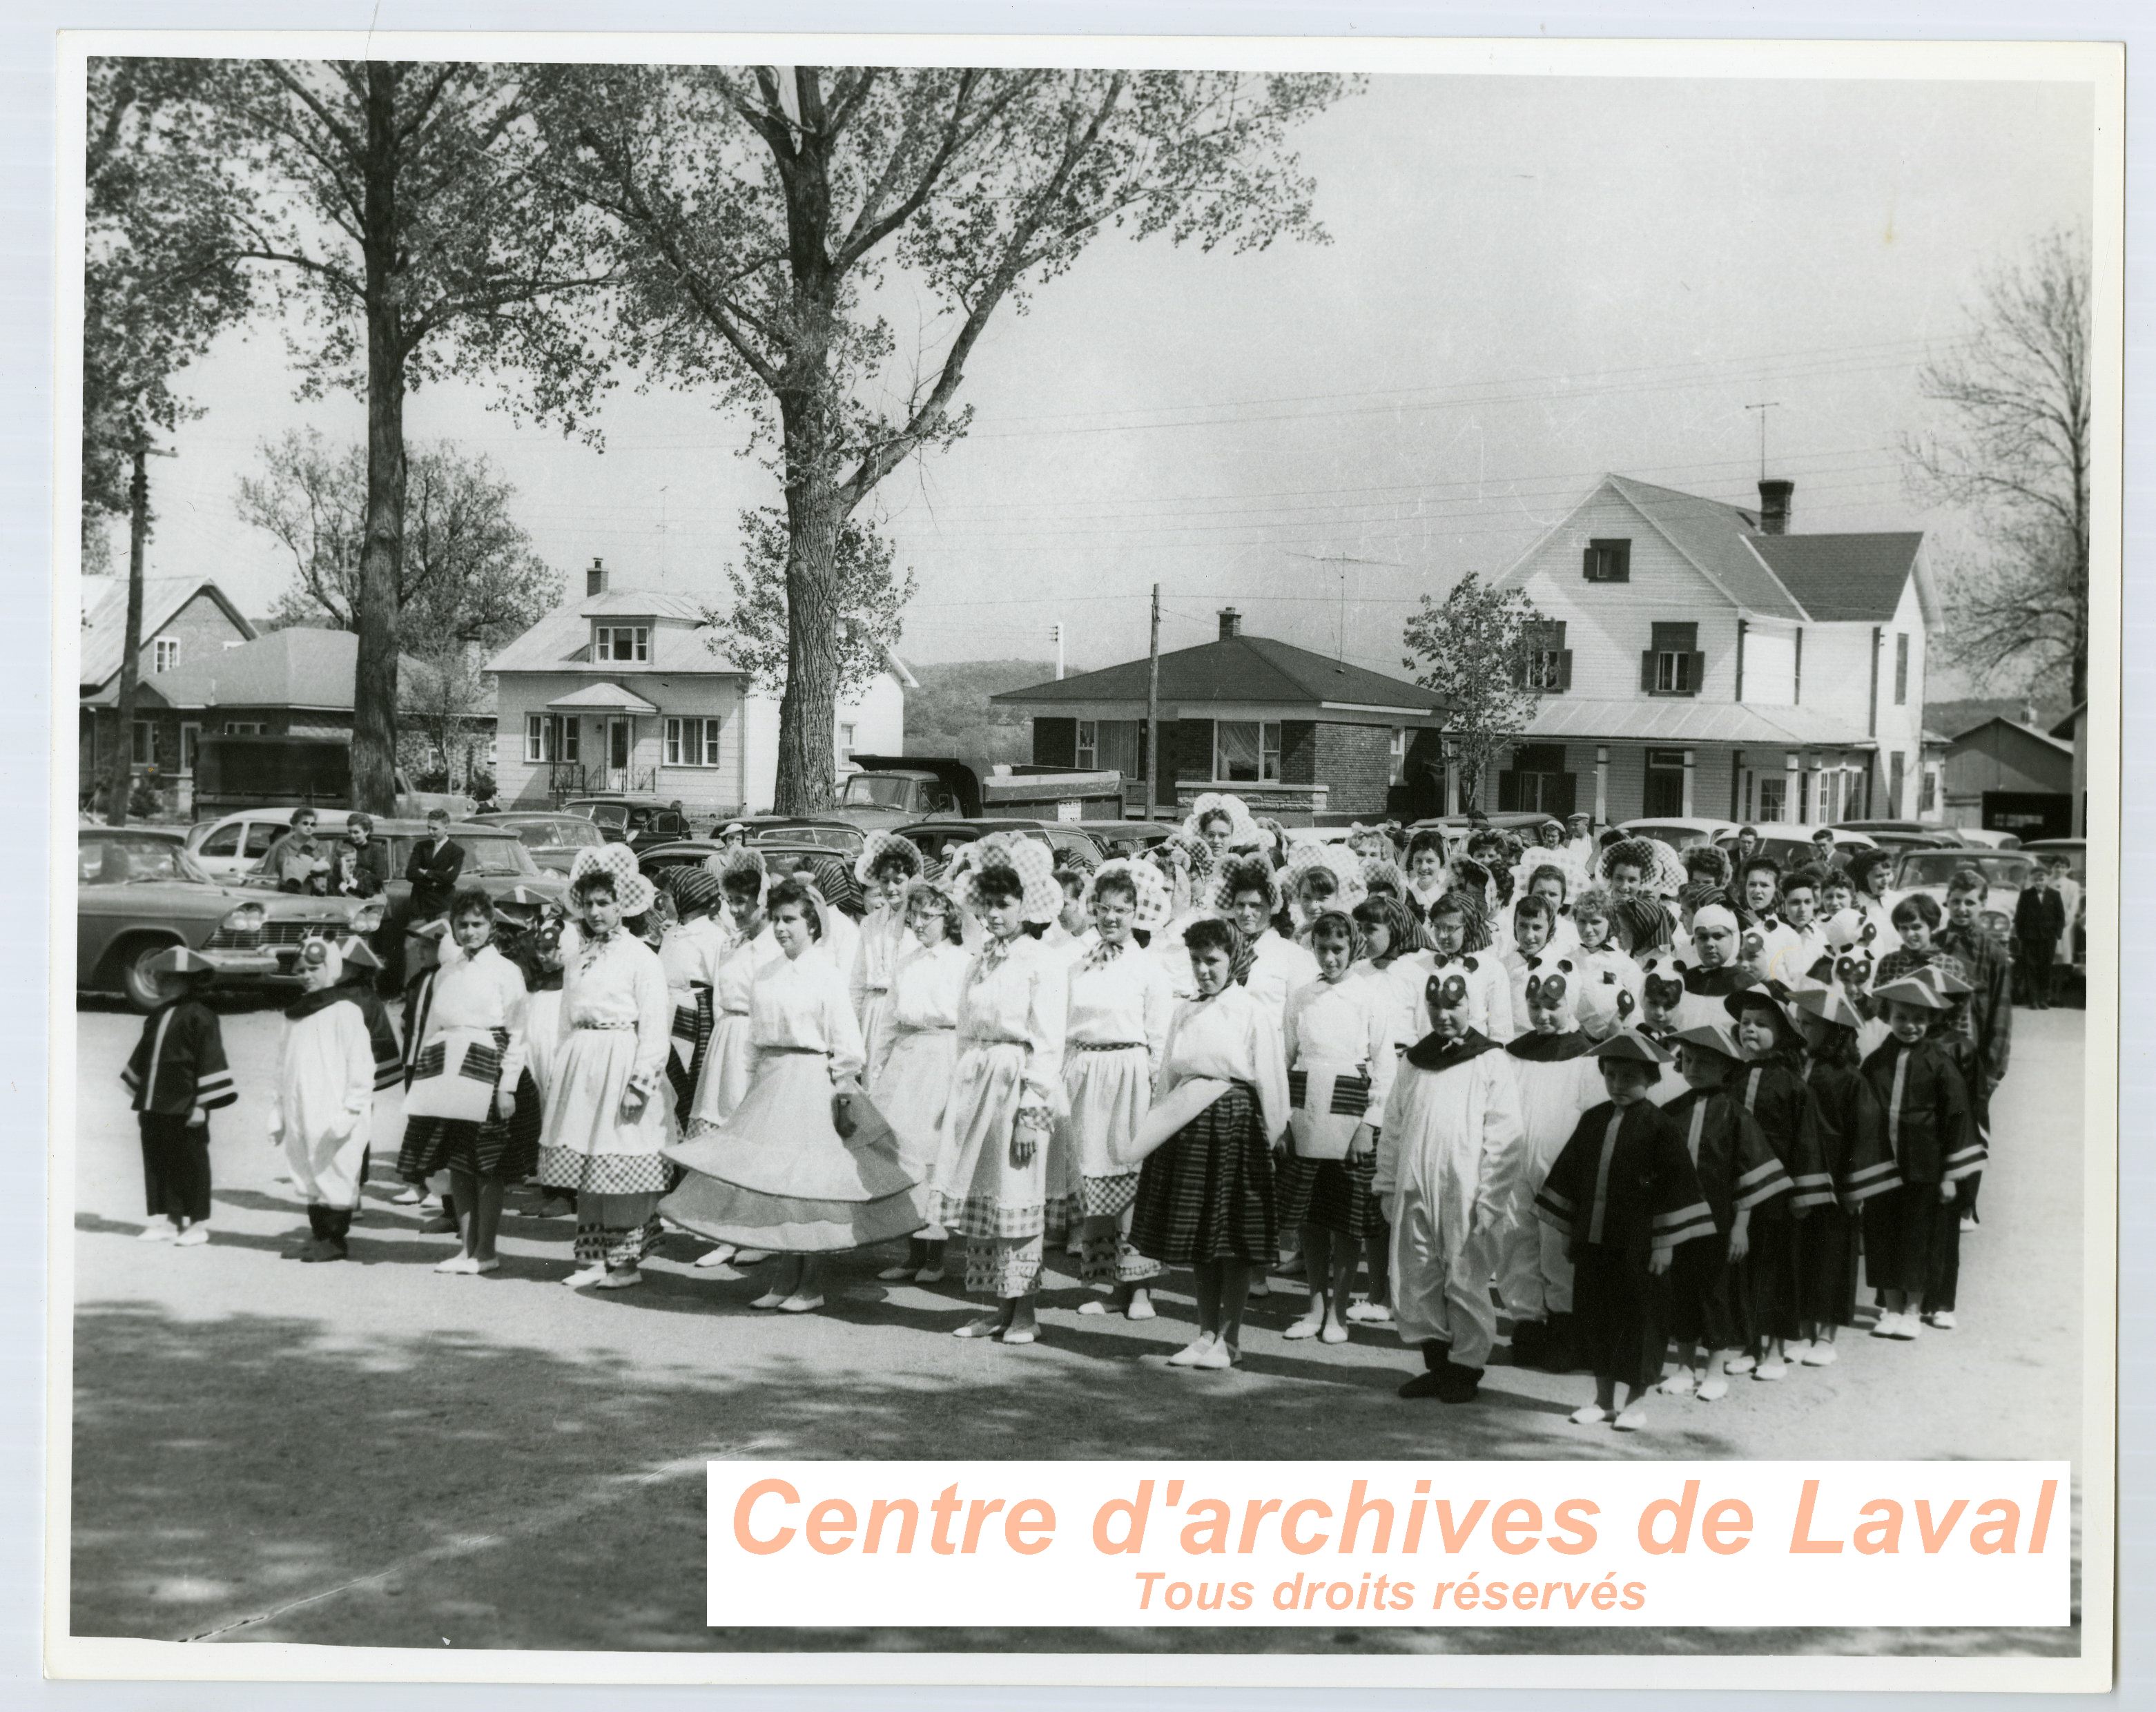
[143,989]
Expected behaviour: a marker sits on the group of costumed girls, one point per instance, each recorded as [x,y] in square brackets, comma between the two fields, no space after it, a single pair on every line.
[1201,1058]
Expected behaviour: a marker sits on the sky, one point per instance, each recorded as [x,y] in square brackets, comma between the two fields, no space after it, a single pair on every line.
[1529,281]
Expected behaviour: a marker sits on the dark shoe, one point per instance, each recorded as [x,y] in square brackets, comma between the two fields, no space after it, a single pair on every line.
[1457,1385]
[320,1249]
[1436,1356]
[1423,1384]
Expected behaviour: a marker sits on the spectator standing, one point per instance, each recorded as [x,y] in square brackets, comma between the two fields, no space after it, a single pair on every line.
[2039,918]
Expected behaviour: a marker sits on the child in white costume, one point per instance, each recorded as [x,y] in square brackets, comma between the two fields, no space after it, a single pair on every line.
[1120,1007]
[1460,935]
[322,1109]
[804,1166]
[910,1085]
[1448,1159]
[991,1178]
[1558,1079]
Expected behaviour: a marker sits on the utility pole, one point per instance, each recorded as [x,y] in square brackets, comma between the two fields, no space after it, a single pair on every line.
[1152,711]
[1055,635]
[120,771]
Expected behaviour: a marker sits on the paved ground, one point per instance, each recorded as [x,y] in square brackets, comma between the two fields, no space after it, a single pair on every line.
[372,1454]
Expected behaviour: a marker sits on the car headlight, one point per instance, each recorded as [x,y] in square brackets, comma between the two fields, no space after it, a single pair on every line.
[1995,924]
[368,917]
[244,918]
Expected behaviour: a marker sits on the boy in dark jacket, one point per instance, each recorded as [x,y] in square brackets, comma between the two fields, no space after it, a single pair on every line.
[2040,920]
[178,1076]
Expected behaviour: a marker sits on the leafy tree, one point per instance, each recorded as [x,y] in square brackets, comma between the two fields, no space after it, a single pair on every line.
[160,280]
[402,209]
[439,696]
[757,211]
[467,576]
[2014,452]
[1473,647]
[755,633]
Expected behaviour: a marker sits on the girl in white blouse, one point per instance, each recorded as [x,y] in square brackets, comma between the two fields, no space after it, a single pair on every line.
[1205,1191]
[911,1083]
[805,1166]
[991,1176]
[730,1061]
[1121,1006]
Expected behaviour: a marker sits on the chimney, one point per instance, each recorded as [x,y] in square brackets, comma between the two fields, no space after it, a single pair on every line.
[595,578]
[1231,623]
[1774,506]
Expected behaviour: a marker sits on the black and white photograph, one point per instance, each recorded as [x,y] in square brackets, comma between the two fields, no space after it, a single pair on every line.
[1083,749]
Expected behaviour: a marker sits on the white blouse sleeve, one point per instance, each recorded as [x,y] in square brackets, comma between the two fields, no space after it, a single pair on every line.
[842,1030]
[516,1005]
[1270,1069]
[1383,1060]
[655,1016]
[1048,1006]
[1159,1016]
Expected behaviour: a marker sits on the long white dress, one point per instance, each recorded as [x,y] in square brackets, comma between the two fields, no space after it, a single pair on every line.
[730,1061]
[617,1024]
[911,1083]
[322,1107]
[777,1174]
[1448,1158]
[1558,1079]
[1011,1015]
[885,942]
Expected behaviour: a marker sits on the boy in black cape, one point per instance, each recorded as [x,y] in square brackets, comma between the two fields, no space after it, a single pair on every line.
[178,1075]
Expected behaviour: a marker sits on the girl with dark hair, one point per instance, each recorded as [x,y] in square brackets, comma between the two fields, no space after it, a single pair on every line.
[889,863]
[1248,893]
[730,1061]
[991,1178]
[604,1128]
[471,1110]
[910,1082]
[1459,930]
[805,1166]
[691,949]
[1205,1190]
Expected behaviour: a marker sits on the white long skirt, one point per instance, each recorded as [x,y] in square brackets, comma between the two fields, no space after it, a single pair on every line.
[586,1148]
[914,1088]
[729,1068]
[1108,1094]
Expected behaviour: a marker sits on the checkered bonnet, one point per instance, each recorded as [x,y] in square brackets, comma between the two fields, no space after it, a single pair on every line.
[1155,903]
[636,893]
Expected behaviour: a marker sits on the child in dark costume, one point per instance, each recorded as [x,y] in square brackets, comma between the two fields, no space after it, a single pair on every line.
[177,1076]
[1852,1152]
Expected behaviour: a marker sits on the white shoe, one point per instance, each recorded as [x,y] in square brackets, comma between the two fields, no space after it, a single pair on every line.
[1969,1226]
[1770,1370]
[1220,1356]
[802,1304]
[458,1264]
[193,1236]
[889,1275]
[1682,1383]
[1304,1328]
[769,1298]
[1333,1335]
[610,1279]
[1588,1415]
[158,1230]
[1942,1320]
[929,1276]
[411,1195]
[1633,1419]
[717,1257]
[1905,1328]
[1369,1313]
[1712,1389]
[1191,1354]
[1884,1326]
[1819,1355]
[1093,1305]
[1740,1364]
[1141,1311]
[585,1277]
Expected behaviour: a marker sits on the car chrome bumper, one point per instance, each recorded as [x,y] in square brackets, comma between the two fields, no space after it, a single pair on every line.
[259,963]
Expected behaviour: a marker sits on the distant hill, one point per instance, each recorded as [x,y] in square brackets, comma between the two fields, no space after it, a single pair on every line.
[1950,718]
[950,715]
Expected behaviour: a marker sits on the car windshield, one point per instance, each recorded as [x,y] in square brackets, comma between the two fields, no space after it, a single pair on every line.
[493,855]
[608,813]
[875,791]
[1936,867]
[112,862]
[555,834]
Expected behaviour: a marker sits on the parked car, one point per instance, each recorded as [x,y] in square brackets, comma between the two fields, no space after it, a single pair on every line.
[1790,843]
[1986,837]
[693,852]
[553,839]
[1457,828]
[2005,872]
[1679,832]
[638,822]
[1127,838]
[140,891]
[939,838]
[227,848]
[843,837]
[1925,838]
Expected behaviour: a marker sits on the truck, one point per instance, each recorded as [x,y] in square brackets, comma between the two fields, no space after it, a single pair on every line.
[890,790]
[234,771]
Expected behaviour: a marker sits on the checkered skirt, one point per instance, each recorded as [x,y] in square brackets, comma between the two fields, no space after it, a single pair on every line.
[1207,1193]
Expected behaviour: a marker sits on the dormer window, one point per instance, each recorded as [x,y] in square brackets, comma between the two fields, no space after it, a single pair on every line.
[622,641]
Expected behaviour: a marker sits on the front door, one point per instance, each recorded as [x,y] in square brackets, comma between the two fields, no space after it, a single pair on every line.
[1663,797]
[620,746]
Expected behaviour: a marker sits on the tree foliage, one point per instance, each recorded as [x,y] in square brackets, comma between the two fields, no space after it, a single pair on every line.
[758,212]
[753,631]
[468,578]
[2012,451]
[1472,648]
[403,212]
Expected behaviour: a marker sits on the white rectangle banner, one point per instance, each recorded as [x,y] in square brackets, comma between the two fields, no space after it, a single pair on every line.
[1576,1544]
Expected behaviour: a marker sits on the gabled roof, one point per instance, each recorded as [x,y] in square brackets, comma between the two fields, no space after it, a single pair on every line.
[2035,734]
[561,641]
[2065,728]
[642,603]
[1712,535]
[105,618]
[1251,668]
[1842,578]
[602,698]
[297,668]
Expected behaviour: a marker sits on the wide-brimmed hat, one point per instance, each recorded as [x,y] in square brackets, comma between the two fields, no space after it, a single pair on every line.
[1155,903]
[882,844]
[1041,894]
[1770,993]
[632,890]
[1828,1002]
[1710,1037]
[357,955]
[1912,989]
[1630,1046]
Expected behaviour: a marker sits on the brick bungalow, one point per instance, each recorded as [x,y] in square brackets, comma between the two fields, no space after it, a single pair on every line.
[1295,734]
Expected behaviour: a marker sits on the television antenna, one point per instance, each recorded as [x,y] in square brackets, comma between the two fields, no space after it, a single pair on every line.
[1344,561]
[1763,408]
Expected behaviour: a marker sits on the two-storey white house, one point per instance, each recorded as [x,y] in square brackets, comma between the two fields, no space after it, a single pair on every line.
[623,692]
[1698,660]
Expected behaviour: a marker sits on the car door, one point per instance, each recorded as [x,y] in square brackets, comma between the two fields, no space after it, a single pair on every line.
[219,852]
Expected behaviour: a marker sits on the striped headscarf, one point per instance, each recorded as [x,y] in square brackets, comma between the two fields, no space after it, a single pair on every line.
[1340,920]
[1402,927]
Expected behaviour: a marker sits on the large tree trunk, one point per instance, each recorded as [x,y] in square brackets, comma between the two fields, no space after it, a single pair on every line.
[807,710]
[374,677]
[120,771]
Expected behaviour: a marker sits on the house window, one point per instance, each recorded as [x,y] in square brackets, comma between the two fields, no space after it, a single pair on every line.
[1673,665]
[1894,768]
[1537,781]
[1774,799]
[1607,562]
[621,642]
[692,743]
[845,742]
[165,653]
[1664,793]
[1902,670]
[145,753]
[1089,745]
[246,728]
[538,738]
[1546,662]
[1396,754]
[572,738]
[1927,791]
[190,742]
[1246,750]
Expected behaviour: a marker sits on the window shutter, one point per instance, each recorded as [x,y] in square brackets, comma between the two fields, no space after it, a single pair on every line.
[1647,671]
[1697,674]
[1587,562]
[1564,669]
